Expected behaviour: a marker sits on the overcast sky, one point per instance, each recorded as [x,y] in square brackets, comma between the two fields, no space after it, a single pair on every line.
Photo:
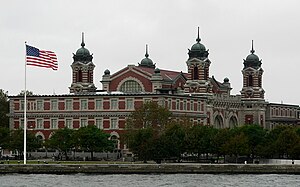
[117,31]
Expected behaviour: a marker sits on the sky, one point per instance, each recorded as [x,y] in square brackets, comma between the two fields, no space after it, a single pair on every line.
[117,31]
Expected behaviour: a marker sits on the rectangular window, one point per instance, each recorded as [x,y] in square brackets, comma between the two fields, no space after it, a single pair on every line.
[22,105]
[99,104]
[177,104]
[40,105]
[114,123]
[54,124]
[83,104]
[129,104]
[39,124]
[21,124]
[199,106]
[170,103]
[69,104]
[54,104]
[192,105]
[83,122]
[99,123]
[184,105]
[69,123]
[114,104]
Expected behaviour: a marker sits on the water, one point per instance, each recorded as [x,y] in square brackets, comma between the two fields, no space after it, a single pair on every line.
[162,180]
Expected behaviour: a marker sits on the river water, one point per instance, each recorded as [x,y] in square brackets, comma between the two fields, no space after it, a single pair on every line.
[138,180]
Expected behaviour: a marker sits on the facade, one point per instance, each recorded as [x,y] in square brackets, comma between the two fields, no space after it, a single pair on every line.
[194,94]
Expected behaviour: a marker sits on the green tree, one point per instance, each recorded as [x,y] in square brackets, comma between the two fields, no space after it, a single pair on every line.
[4,109]
[237,145]
[17,141]
[287,142]
[91,139]
[4,137]
[200,140]
[255,135]
[218,141]
[149,115]
[62,140]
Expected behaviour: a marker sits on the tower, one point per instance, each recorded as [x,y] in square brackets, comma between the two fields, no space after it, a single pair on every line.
[252,93]
[252,77]
[198,81]
[82,71]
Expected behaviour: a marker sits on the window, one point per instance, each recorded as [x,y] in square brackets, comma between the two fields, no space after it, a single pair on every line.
[21,124]
[22,105]
[192,105]
[83,122]
[199,106]
[69,104]
[177,104]
[184,105]
[69,123]
[83,104]
[170,103]
[98,104]
[114,123]
[54,104]
[99,123]
[54,124]
[250,83]
[114,104]
[131,86]
[39,124]
[40,105]
[129,104]
[196,73]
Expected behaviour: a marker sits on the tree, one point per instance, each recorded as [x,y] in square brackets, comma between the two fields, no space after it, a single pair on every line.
[4,138]
[4,109]
[62,140]
[220,138]
[149,115]
[255,135]
[287,142]
[91,139]
[17,141]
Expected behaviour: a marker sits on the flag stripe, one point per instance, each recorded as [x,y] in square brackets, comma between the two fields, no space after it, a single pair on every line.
[41,58]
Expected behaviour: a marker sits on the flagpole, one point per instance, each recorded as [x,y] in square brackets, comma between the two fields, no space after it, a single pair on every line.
[25,109]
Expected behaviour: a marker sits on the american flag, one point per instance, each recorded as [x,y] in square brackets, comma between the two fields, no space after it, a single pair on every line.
[41,58]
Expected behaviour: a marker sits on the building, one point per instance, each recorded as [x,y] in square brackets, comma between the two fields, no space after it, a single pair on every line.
[193,94]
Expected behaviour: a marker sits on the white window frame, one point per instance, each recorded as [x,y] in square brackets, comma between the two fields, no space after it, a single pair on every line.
[38,107]
[114,125]
[52,124]
[99,126]
[37,125]
[69,126]
[114,104]
[68,104]
[83,104]
[177,104]
[54,104]
[83,122]
[192,108]
[129,103]
[99,104]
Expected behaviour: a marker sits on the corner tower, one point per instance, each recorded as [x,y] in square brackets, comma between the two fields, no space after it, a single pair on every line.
[82,71]
[253,106]
[198,81]
[252,77]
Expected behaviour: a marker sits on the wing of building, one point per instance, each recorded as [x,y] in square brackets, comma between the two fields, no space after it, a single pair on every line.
[193,94]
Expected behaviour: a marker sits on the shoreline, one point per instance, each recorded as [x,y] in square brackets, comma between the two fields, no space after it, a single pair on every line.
[149,169]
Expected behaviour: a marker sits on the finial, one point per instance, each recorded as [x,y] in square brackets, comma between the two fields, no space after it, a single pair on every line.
[252,50]
[82,43]
[146,55]
[198,38]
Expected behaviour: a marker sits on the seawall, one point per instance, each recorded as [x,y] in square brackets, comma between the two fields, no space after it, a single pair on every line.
[149,168]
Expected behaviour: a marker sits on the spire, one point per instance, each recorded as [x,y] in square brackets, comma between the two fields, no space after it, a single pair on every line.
[82,43]
[252,50]
[146,55]
[198,38]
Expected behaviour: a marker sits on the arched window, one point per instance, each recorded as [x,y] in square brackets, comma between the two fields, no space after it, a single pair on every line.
[131,86]
[250,80]
[79,76]
[196,73]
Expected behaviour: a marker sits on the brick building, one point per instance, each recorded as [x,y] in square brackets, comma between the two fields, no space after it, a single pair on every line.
[194,94]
